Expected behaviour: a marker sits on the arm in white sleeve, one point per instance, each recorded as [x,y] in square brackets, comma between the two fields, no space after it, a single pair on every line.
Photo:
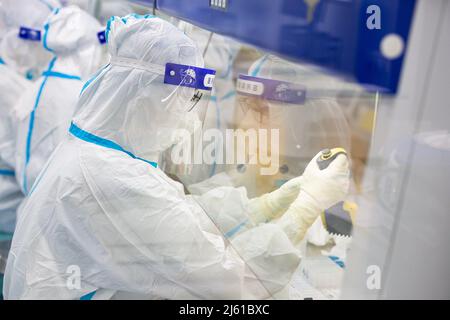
[163,242]
[272,205]
[320,189]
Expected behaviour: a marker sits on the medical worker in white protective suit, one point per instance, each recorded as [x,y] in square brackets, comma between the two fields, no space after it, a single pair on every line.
[18,59]
[25,53]
[43,113]
[103,209]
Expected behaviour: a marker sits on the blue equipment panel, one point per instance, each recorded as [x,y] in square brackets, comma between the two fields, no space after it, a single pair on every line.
[344,36]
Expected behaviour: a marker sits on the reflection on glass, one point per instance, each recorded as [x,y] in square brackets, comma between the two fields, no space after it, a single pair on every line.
[267,120]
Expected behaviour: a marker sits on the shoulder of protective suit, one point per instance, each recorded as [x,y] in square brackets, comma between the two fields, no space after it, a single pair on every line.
[110,170]
[109,163]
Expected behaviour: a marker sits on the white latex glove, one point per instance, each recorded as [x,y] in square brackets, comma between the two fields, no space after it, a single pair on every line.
[320,189]
[272,205]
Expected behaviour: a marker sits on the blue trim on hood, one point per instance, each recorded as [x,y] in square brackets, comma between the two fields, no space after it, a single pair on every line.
[91,138]
[258,67]
[47,4]
[92,79]
[124,20]
[46,28]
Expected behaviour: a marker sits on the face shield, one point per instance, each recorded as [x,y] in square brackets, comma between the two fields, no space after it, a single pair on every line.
[193,86]
[162,123]
[219,54]
[188,90]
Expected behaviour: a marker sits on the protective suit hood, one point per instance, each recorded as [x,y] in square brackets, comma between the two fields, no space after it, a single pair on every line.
[27,57]
[44,112]
[71,34]
[128,102]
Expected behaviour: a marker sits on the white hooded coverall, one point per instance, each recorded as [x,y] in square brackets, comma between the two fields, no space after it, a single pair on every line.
[103,212]
[44,112]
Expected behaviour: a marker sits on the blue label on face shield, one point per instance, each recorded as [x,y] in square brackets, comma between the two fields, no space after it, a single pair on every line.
[270,89]
[29,34]
[101,37]
[189,76]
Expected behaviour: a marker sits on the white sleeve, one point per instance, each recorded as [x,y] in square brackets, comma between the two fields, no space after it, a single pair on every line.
[162,245]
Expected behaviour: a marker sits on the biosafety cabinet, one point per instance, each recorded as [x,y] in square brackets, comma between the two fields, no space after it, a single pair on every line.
[384,65]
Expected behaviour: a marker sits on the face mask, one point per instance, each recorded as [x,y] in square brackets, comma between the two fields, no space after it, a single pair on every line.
[152,127]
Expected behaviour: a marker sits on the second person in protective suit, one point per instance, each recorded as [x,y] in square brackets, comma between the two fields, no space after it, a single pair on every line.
[21,59]
[104,209]
[43,113]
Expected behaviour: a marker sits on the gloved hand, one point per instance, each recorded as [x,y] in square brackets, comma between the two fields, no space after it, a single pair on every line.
[274,204]
[320,189]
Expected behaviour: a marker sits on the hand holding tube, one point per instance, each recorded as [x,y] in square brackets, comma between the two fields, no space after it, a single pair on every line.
[324,183]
